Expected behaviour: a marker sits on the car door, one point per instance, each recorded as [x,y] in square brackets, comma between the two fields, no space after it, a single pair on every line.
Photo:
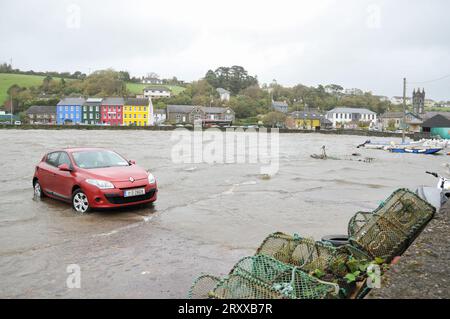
[63,180]
[47,171]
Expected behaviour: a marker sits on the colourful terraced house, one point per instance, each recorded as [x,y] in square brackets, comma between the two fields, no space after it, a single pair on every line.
[91,111]
[111,111]
[69,111]
[136,112]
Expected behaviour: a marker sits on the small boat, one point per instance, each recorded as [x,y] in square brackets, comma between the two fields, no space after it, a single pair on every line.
[384,145]
[427,151]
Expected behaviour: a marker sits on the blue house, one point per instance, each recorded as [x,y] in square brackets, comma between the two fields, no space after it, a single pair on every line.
[280,106]
[69,111]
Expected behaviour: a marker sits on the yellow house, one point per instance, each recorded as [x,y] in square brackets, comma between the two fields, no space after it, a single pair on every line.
[136,112]
[307,120]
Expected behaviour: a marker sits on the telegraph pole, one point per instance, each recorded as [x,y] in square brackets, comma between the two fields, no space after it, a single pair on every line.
[11,100]
[404,110]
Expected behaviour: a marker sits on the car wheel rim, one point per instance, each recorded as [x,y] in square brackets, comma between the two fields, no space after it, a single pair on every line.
[80,203]
[37,190]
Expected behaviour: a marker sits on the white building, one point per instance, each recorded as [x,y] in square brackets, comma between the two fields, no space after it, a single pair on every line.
[224,94]
[159,116]
[399,100]
[156,92]
[345,116]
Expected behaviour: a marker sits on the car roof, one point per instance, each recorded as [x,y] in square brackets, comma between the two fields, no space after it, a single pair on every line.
[79,149]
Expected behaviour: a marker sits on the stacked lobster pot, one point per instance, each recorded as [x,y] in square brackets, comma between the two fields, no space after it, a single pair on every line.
[292,267]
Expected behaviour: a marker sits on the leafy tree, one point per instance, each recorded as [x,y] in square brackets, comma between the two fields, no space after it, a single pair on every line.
[234,78]
[274,119]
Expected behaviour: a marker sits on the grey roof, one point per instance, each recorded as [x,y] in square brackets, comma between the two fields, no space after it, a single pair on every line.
[214,109]
[113,101]
[135,101]
[429,115]
[72,101]
[159,111]
[351,110]
[307,115]
[222,91]
[157,88]
[180,108]
[392,115]
[41,109]
[437,121]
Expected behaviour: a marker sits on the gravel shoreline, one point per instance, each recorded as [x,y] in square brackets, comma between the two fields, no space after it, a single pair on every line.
[423,270]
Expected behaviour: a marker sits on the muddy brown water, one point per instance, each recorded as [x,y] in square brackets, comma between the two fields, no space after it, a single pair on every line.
[207,217]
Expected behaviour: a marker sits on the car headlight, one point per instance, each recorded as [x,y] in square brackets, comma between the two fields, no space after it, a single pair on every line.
[151,178]
[100,184]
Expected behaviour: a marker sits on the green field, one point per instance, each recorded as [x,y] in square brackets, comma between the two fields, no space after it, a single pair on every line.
[7,80]
[138,88]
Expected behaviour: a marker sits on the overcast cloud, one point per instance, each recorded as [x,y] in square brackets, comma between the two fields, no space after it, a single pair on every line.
[371,45]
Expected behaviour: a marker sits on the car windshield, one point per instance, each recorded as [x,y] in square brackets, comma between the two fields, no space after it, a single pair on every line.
[98,159]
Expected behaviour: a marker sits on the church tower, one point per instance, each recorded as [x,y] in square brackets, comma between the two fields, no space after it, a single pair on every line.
[418,102]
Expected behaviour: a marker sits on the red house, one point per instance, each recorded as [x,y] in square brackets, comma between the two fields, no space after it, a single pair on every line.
[111,111]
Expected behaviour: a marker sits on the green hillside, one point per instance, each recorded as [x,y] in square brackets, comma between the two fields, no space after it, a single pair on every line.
[7,80]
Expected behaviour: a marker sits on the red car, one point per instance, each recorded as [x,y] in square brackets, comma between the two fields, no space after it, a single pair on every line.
[93,178]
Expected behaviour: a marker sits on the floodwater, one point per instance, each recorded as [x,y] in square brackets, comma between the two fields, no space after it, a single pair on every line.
[206,218]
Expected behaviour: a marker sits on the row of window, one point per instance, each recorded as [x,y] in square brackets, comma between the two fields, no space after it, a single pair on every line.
[135,123]
[69,116]
[90,108]
[91,116]
[135,109]
[131,116]
[69,108]
[348,116]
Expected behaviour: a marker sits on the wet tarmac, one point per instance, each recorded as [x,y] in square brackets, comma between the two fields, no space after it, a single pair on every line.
[206,218]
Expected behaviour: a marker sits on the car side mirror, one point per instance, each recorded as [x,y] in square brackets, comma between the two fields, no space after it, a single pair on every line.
[64,168]
[132,162]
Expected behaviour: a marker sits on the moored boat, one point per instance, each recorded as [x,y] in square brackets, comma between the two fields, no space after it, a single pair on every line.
[426,151]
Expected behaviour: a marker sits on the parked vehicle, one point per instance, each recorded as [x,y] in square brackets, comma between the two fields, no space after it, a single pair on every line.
[436,196]
[93,178]
[17,123]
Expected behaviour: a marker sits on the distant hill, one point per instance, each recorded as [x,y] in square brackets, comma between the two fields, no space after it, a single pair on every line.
[7,80]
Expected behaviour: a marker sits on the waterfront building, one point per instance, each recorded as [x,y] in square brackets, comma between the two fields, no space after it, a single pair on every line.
[351,117]
[394,120]
[111,111]
[191,113]
[69,111]
[41,114]
[307,120]
[91,111]
[136,112]
[438,125]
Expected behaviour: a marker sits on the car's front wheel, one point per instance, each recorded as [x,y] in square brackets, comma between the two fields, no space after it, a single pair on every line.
[38,193]
[80,202]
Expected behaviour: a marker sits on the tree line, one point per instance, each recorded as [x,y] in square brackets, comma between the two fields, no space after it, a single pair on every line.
[249,98]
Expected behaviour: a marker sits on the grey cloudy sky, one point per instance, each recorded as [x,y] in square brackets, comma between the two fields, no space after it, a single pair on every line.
[371,45]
